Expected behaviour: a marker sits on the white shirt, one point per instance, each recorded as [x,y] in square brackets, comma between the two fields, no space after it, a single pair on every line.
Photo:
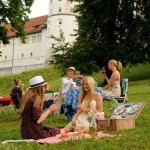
[66,83]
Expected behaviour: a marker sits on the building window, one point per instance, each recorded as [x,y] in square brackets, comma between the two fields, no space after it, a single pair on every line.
[31,54]
[22,55]
[59,9]
[0,44]
[5,57]
[39,38]
[33,39]
[53,45]
[59,0]
[59,22]
[51,1]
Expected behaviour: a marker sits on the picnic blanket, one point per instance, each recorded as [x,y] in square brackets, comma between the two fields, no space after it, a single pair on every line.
[72,136]
[59,138]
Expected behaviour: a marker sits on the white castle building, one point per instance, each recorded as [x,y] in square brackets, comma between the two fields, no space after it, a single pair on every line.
[36,53]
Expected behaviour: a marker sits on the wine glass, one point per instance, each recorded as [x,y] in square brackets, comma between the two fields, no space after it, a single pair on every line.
[103,71]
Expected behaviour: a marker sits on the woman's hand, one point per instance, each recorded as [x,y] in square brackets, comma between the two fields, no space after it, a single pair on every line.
[71,86]
[47,112]
[54,107]
[104,75]
[81,107]
[73,122]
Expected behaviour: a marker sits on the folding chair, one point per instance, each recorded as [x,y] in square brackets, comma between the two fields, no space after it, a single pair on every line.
[123,97]
[124,90]
[2,109]
[1,106]
[4,102]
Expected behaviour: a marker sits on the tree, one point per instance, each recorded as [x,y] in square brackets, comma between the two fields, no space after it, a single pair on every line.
[14,12]
[66,54]
[60,48]
[118,29]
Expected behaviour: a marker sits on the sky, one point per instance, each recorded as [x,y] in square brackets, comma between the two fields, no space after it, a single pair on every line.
[39,8]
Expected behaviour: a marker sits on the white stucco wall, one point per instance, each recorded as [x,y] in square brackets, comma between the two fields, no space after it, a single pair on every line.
[24,56]
[68,25]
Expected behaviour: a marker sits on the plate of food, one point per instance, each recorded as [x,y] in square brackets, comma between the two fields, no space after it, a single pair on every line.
[119,110]
[132,109]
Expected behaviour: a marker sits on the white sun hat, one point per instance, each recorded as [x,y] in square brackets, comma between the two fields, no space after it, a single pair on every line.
[36,81]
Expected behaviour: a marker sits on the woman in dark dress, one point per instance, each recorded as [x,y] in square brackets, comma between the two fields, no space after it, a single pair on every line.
[18,89]
[31,112]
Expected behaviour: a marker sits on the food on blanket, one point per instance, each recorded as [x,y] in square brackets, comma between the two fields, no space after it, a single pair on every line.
[73,134]
[78,135]
[69,134]
[66,131]
[64,135]
[71,137]
[84,130]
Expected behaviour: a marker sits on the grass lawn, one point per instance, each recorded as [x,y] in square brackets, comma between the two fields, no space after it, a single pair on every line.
[133,139]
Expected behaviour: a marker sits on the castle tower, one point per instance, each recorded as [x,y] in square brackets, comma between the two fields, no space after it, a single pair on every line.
[61,16]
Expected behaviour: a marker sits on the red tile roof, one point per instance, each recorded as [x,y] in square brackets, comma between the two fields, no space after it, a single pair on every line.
[33,25]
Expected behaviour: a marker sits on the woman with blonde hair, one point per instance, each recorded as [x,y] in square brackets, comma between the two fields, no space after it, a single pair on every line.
[89,101]
[113,89]
[31,112]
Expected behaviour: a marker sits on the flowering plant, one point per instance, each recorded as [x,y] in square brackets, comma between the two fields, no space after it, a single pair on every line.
[78,78]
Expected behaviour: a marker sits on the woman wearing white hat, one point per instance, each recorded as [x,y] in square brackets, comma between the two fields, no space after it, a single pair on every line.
[31,112]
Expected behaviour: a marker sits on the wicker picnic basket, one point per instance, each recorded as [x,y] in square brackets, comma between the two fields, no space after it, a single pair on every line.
[118,124]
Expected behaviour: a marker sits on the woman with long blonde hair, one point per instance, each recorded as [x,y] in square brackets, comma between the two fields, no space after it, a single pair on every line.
[89,101]
[113,89]
[31,112]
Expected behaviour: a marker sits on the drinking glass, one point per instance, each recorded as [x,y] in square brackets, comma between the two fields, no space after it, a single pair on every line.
[103,71]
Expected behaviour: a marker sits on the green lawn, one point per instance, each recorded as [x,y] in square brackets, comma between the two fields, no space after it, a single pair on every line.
[137,138]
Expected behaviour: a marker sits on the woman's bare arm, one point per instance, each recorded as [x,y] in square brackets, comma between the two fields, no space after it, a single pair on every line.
[47,112]
[99,103]
[111,81]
